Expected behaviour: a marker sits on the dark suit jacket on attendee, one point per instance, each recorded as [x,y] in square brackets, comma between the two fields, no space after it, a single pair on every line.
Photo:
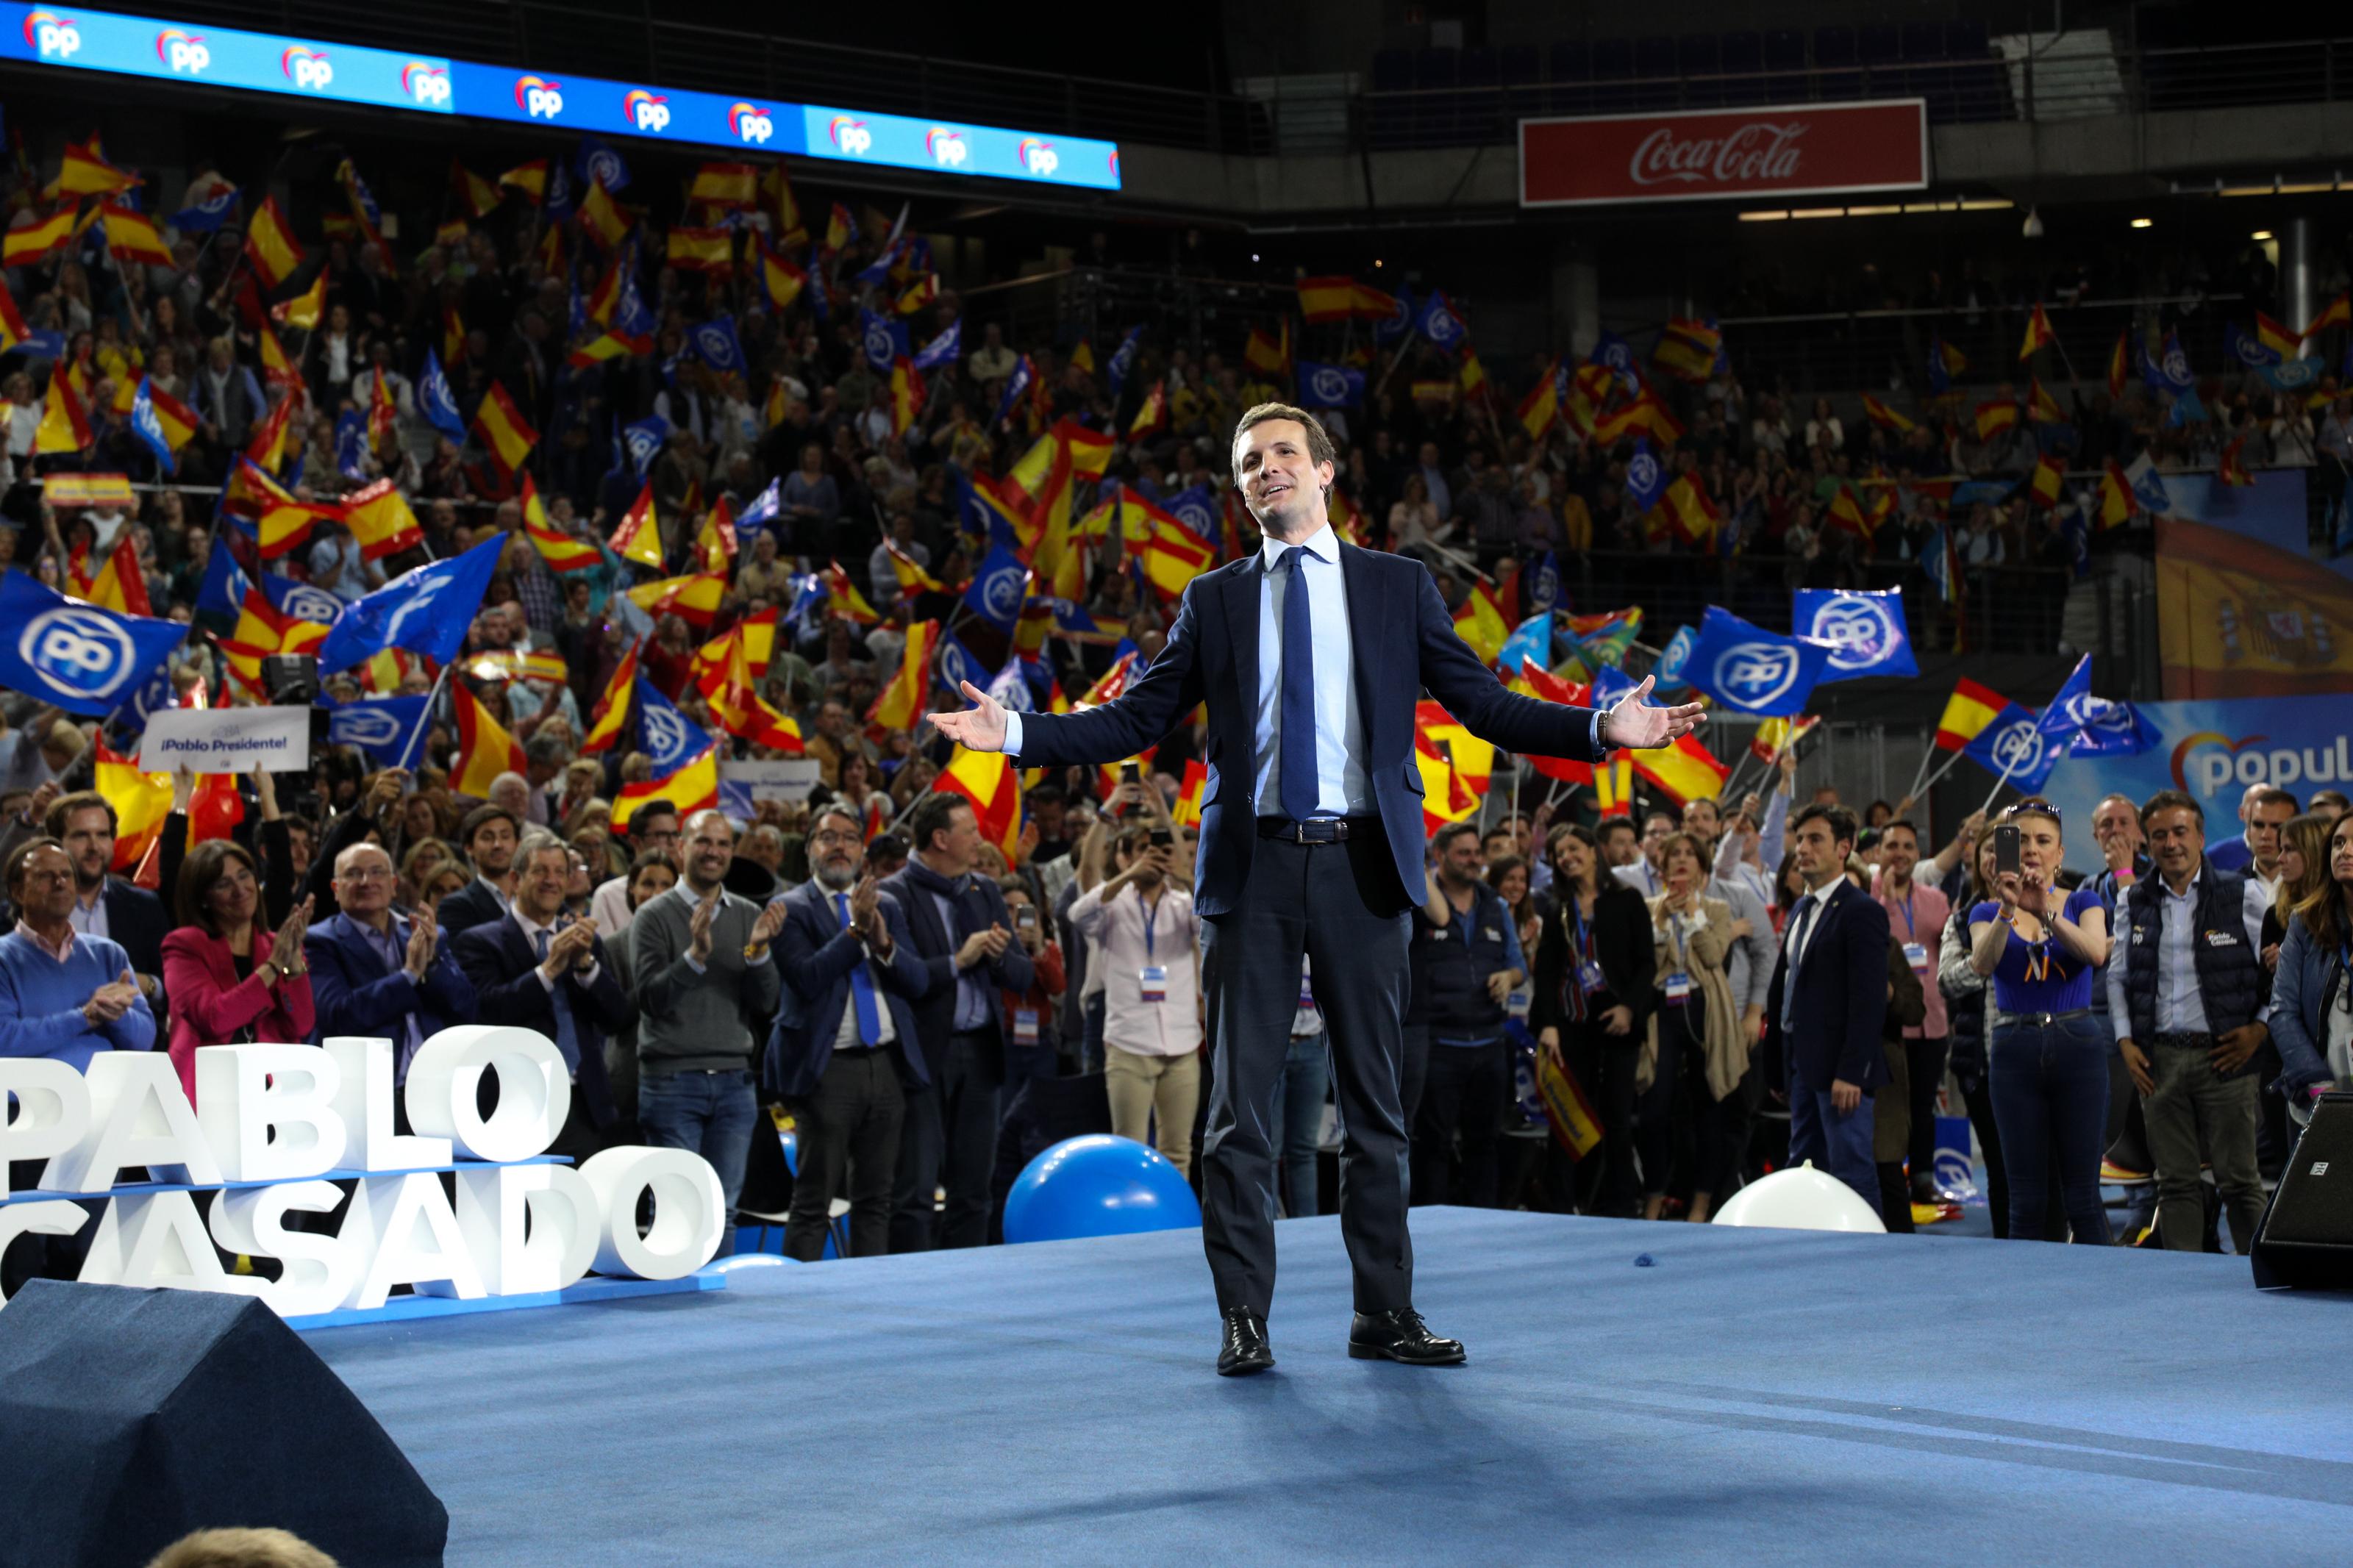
[501,964]
[472,905]
[356,993]
[1622,946]
[1841,993]
[816,954]
[1403,639]
[983,905]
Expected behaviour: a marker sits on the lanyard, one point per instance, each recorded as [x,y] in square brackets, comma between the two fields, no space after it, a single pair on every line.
[1908,930]
[1151,919]
[1584,938]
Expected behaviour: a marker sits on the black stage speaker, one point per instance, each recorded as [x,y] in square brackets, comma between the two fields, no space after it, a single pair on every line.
[2306,1242]
[130,1417]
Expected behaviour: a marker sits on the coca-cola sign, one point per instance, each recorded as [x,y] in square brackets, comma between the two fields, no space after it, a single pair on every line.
[1799,149]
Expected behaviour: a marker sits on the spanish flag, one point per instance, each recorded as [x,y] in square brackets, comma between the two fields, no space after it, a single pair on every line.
[1482,625]
[2042,406]
[779,278]
[1266,353]
[1327,298]
[2119,364]
[843,599]
[2278,336]
[1373,304]
[2338,312]
[1152,415]
[84,172]
[906,698]
[2231,468]
[266,446]
[725,185]
[2117,502]
[913,577]
[141,803]
[485,750]
[1535,681]
[741,711]
[516,664]
[701,249]
[1688,350]
[531,179]
[1846,513]
[1473,757]
[1684,768]
[380,519]
[907,392]
[64,426]
[1968,712]
[988,781]
[922,292]
[1186,812]
[120,584]
[2047,480]
[2037,334]
[178,420]
[277,370]
[608,345]
[1690,512]
[694,600]
[453,336]
[1541,406]
[1613,786]
[639,537]
[38,240]
[1775,736]
[600,217]
[283,525]
[714,542]
[1172,559]
[131,237]
[1997,415]
[1470,373]
[304,310]
[611,719]
[776,190]
[13,331]
[1646,415]
[757,637]
[840,228]
[1886,418]
[475,193]
[269,245]
[693,787]
[1445,797]
[503,429]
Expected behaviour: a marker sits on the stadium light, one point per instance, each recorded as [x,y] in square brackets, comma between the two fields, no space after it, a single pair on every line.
[2144,223]
[2261,234]
[2032,227]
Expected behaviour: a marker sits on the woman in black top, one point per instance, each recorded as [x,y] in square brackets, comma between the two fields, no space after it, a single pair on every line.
[1594,996]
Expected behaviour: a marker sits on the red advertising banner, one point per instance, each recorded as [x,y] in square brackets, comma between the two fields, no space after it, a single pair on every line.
[1796,150]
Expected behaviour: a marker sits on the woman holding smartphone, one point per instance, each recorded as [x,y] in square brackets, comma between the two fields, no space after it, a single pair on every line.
[2049,1073]
[1593,995]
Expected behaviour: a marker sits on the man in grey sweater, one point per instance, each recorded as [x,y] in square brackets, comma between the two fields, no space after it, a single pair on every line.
[699,959]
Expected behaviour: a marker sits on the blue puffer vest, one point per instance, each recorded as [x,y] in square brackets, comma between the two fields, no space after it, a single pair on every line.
[2229,970]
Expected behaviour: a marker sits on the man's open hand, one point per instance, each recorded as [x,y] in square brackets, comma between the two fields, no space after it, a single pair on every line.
[1635,723]
[980,728]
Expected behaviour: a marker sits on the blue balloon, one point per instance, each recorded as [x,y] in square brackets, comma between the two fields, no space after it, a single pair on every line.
[1098,1185]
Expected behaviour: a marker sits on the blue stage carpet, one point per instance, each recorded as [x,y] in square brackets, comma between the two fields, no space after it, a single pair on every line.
[1754,1397]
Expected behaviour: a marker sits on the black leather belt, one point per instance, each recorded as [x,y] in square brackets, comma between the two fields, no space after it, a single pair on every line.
[1321,830]
[2044,1020]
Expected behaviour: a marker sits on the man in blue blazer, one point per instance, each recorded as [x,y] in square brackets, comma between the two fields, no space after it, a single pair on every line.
[1311,655]
[375,974]
[532,968]
[845,1047]
[1829,1004]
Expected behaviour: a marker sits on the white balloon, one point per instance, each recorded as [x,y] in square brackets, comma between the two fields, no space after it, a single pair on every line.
[1801,1199]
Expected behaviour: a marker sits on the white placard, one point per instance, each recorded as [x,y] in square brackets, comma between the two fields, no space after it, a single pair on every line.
[226,740]
[777,778]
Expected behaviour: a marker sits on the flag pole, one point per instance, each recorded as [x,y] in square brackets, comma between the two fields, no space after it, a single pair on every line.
[425,719]
[1998,784]
[1919,772]
[1934,778]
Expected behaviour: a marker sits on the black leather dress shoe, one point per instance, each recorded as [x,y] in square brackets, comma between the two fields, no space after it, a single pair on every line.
[1245,1349]
[1400,1336]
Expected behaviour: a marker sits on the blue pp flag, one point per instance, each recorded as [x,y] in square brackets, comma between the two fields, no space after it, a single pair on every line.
[1530,640]
[1752,671]
[1646,478]
[643,442]
[665,734]
[436,402]
[2014,748]
[1866,631]
[150,429]
[1000,584]
[716,346]
[351,444]
[2245,349]
[764,508]
[957,664]
[300,601]
[1399,321]
[945,349]
[597,161]
[2186,410]
[1197,508]
[206,215]
[2294,376]
[427,611]
[630,316]
[2069,708]
[1330,385]
[223,591]
[1982,492]
[153,695]
[885,341]
[1669,671]
[2113,730]
[1439,324]
[2168,369]
[878,270]
[1543,589]
[1011,688]
[1940,376]
[80,658]
[1115,369]
[1617,355]
[1015,386]
[383,727]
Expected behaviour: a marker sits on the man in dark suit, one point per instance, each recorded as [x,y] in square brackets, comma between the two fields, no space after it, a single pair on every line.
[489,837]
[1311,655]
[375,974]
[845,1043]
[535,968]
[131,918]
[959,928]
[1829,1003]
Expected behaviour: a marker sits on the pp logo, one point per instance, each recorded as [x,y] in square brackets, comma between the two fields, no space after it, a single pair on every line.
[605,168]
[2018,748]
[538,98]
[426,85]
[78,651]
[881,348]
[849,135]
[1618,358]
[716,346]
[1038,157]
[1443,327]
[307,69]
[2177,366]
[1196,517]
[1002,593]
[1642,473]
[945,146]
[646,111]
[365,727]
[1752,675]
[957,666]
[51,36]
[305,603]
[665,735]
[750,124]
[1860,631]
[1329,383]
[183,54]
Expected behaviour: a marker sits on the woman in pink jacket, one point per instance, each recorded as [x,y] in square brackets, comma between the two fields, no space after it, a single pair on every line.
[230,981]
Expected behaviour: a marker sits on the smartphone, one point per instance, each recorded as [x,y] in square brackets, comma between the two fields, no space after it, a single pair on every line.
[2005,849]
[1162,839]
[1130,773]
[1026,917]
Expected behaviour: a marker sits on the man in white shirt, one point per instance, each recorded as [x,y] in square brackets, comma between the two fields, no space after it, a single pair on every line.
[1643,872]
[1140,928]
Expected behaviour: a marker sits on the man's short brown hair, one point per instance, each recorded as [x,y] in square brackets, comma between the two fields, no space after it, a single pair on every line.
[1319,440]
[62,809]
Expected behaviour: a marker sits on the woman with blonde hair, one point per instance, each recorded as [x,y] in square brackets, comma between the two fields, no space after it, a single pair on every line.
[1696,1051]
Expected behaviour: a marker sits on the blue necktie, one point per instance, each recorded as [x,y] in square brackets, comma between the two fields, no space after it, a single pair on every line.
[568,1033]
[861,988]
[1804,915]
[1300,787]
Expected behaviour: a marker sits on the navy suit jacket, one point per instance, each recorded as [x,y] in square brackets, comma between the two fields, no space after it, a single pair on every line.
[1403,641]
[1841,993]
[502,965]
[935,949]
[815,955]
[355,993]
[470,906]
